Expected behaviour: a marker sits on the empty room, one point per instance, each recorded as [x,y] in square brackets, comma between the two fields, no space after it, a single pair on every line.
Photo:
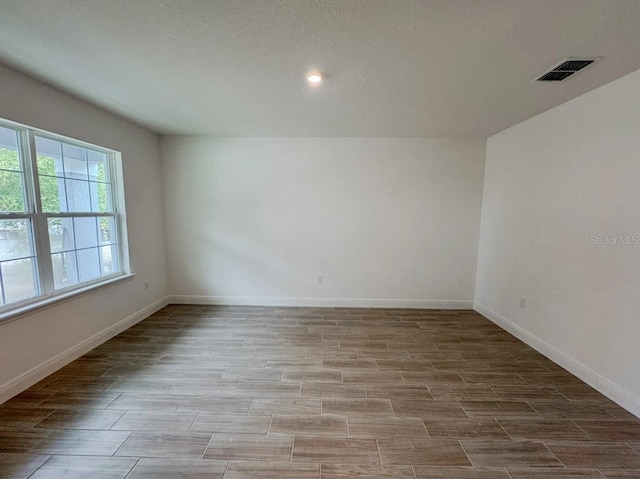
[319,239]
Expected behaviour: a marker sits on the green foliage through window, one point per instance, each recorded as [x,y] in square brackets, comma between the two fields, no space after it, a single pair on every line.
[11,189]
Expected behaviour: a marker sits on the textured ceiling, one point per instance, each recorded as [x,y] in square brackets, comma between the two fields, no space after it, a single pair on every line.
[455,68]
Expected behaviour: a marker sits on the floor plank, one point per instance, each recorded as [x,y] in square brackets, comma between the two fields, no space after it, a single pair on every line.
[20,466]
[77,467]
[267,470]
[332,450]
[162,468]
[414,451]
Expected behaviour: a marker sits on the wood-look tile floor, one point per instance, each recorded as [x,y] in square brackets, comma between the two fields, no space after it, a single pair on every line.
[275,393]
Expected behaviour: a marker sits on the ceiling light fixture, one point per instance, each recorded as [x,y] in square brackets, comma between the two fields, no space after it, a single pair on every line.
[314,78]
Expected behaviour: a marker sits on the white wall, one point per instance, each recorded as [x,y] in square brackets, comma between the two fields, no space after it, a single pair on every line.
[387,222]
[36,339]
[551,183]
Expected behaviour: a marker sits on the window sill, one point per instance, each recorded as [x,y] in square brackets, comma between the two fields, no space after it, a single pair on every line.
[29,308]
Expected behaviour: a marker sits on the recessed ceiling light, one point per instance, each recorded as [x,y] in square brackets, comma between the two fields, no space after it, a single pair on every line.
[314,78]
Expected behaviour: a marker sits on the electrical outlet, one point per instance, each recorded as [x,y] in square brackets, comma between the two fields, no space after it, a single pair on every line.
[320,279]
[523,303]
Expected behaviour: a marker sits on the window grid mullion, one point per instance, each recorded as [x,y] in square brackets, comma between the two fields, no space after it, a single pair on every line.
[77,262]
[39,223]
[84,214]
[17,216]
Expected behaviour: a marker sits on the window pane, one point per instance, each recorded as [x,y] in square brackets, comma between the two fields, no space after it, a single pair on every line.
[75,162]
[97,166]
[107,230]
[11,192]
[15,239]
[9,157]
[78,196]
[64,269]
[88,264]
[86,232]
[53,194]
[109,259]
[49,156]
[61,235]
[18,279]
[101,197]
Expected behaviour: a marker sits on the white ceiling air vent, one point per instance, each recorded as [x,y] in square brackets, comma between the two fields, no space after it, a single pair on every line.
[566,68]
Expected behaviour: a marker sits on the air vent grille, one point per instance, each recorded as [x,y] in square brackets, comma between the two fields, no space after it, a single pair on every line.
[565,69]
[555,76]
[573,65]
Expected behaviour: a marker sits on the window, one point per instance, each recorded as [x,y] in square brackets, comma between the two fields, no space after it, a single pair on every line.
[61,226]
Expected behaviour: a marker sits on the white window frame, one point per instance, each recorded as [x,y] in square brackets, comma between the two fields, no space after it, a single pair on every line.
[47,293]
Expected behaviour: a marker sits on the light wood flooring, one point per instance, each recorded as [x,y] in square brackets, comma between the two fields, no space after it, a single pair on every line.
[251,392]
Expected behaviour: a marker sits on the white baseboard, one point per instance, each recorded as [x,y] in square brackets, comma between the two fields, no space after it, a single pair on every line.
[576,368]
[15,386]
[322,302]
